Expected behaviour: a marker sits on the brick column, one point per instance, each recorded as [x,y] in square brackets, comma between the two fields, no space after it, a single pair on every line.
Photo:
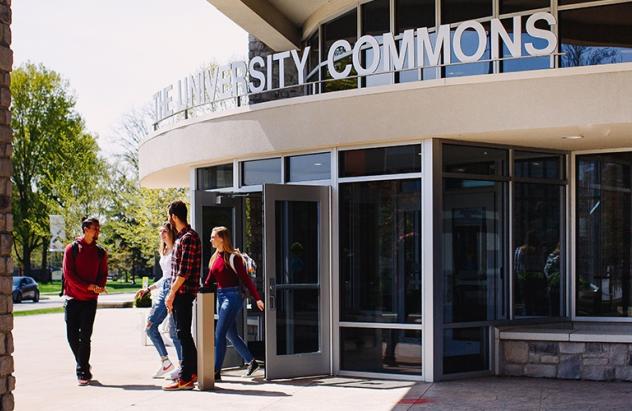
[7,381]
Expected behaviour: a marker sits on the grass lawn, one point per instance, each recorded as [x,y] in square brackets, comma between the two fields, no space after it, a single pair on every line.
[113,287]
[38,311]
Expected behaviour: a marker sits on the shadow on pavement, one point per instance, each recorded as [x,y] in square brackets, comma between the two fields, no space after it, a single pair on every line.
[130,387]
[258,393]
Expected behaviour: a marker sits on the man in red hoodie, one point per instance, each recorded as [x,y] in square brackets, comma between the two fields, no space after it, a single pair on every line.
[85,273]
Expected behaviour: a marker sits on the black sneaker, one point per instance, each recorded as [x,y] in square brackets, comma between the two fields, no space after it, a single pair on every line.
[252,367]
[218,376]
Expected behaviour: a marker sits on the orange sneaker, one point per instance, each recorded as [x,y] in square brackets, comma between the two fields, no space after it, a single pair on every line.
[194,378]
[179,385]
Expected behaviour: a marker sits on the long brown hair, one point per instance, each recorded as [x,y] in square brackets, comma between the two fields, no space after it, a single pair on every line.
[171,232]
[223,233]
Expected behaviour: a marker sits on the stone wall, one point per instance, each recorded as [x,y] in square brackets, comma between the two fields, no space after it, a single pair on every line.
[567,360]
[7,381]
[258,48]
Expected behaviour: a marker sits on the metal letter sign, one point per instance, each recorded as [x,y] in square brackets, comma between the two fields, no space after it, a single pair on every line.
[57,233]
[406,51]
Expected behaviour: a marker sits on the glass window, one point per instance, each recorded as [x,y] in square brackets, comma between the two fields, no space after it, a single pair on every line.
[376,161]
[378,350]
[603,240]
[375,22]
[596,35]
[469,45]
[514,6]
[525,63]
[412,14]
[309,167]
[537,255]
[474,160]
[473,250]
[342,28]
[538,165]
[380,251]
[313,58]
[258,172]
[454,11]
[210,178]
[465,350]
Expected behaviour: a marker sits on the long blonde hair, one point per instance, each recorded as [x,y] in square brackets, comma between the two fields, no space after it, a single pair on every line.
[171,232]
[223,233]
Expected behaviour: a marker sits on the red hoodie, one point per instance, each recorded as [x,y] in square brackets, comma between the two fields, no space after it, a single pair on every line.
[84,269]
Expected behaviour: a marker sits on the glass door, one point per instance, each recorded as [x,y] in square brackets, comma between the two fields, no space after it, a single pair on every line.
[212,210]
[297,278]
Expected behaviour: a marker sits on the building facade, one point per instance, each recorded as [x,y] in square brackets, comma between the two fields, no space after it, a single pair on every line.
[433,189]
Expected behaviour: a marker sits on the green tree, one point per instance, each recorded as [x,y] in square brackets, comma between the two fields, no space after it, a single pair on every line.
[134,214]
[56,163]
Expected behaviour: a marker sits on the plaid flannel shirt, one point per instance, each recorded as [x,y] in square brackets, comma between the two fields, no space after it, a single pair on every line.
[186,260]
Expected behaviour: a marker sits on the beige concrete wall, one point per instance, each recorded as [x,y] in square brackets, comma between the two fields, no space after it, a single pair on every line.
[534,109]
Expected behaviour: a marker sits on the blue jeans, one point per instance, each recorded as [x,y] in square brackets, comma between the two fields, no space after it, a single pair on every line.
[157,315]
[230,303]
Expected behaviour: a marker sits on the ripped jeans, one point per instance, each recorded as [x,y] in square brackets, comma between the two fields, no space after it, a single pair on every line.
[157,315]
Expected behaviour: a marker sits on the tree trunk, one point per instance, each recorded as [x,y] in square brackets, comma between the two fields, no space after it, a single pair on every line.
[26,259]
[45,257]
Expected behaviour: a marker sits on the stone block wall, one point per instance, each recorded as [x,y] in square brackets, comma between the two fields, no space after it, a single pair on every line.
[258,48]
[7,381]
[567,360]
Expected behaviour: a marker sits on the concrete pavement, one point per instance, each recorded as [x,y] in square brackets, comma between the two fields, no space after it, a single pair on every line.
[121,300]
[122,368]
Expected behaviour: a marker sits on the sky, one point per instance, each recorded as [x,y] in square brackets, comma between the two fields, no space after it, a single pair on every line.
[117,53]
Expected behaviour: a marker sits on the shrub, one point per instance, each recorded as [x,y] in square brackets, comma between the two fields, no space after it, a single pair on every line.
[144,301]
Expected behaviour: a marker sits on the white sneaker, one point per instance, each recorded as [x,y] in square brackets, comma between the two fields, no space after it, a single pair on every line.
[175,374]
[166,367]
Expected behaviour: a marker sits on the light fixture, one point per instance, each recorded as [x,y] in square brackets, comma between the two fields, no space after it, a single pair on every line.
[318,164]
[572,137]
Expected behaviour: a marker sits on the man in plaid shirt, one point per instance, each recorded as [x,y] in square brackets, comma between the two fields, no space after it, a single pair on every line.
[186,263]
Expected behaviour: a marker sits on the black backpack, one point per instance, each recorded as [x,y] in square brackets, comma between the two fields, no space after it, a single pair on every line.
[75,251]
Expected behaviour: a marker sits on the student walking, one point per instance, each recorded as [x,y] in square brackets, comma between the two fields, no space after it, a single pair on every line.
[227,268]
[158,311]
[85,270]
[185,271]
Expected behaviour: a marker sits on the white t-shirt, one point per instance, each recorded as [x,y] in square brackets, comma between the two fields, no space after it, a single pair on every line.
[165,265]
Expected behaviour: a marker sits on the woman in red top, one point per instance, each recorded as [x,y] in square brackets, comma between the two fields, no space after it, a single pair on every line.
[229,299]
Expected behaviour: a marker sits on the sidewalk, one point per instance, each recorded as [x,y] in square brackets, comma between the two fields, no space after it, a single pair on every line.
[121,300]
[122,369]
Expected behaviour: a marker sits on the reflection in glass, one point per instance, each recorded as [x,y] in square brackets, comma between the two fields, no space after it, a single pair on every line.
[297,288]
[514,6]
[257,172]
[596,35]
[474,160]
[454,11]
[313,60]
[412,14]
[375,22]
[538,165]
[465,350]
[380,251]
[469,45]
[210,178]
[603,230]
[253,246]
[342,28]
[309,167]
[526,63]
[376,161]
[379,350]
[473,250]
[537,211]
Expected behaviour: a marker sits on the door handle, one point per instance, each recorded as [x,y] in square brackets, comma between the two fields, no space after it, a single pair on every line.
[271,293]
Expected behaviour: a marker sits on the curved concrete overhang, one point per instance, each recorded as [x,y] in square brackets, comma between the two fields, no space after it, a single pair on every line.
[531,109]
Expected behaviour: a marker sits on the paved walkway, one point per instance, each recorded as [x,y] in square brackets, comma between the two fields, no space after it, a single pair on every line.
[122,368]
[54,300]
